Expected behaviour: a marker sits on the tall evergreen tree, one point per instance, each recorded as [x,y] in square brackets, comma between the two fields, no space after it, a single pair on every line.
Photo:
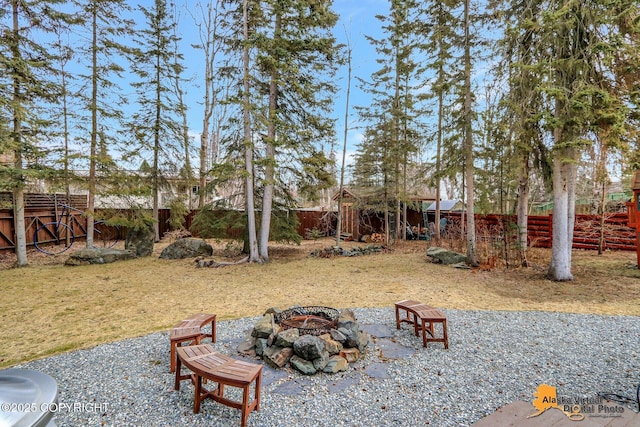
[439,28]
[102,56]
[578,67]
[26,85]
[523,102]
[392,89]
[297,55]
[156,123]
[247,137]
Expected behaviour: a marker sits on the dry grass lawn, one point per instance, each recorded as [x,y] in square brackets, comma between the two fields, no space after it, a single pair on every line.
[48,308]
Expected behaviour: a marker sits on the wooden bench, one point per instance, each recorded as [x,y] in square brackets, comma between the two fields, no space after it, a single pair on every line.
[190,329]
[423,318]
[206,363]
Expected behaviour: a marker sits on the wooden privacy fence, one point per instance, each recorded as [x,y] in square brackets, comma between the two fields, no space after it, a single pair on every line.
[586,232]
[42,209]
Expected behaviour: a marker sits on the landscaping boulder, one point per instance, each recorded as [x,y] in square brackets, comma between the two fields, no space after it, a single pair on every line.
[308,347]
[140,241]
[97,256]
[444,256]
[187,248]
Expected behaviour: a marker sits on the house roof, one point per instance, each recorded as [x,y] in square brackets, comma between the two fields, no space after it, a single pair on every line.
[446,205]
[346,194]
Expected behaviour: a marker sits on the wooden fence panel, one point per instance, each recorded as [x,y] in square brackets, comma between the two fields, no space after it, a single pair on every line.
[586,235]
[617,234]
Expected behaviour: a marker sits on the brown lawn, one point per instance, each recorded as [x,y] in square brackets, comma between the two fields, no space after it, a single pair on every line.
[48,308]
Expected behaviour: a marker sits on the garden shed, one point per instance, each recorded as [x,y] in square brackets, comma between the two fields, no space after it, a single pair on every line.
[358,221]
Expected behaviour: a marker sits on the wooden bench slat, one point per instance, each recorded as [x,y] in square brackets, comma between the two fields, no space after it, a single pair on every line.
[207,363]
[190,330]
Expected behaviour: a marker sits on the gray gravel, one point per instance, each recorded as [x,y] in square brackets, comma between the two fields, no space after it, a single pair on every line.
[494,358]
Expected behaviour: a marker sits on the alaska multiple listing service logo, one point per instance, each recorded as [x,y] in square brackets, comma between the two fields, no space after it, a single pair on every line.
[576,408]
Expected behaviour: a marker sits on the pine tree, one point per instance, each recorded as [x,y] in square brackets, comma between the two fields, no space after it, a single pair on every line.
[102,57]
[297,56]
[287,58]
[155,123]
[440,39]
[578,66]
[26,87]
[394,105]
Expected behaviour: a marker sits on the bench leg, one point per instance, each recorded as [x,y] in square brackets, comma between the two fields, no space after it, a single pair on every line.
[177,369]
[408,317]
[197,395]
[426,329]
[417,323]
[430,329]
[245,405]
[444,332]
[172,356]
[257,391]
[213,330]
[248,406]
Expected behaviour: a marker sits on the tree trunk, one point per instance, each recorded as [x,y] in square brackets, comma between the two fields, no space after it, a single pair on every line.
[156,155]
[248,143]
[601,174]
[91,202]
[436,221]
[18,192]
[472,255]
[270,156]
[208,106]
[344,145]
[563,215]
[523,209]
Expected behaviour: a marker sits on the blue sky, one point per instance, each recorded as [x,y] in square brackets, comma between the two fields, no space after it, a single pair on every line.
[357,18]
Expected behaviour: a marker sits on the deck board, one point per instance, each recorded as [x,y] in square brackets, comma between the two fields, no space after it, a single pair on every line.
[515,415]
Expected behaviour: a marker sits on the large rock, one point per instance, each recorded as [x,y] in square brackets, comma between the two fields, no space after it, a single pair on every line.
[264,327]
[187,248]
[346,315]
[305,366]
[98,256]
[335,365]
[287,337]
[444,256]
[309,347]
[140,241]
[331,345]
[248,346]
[363,340]
[277,357]
[350,330]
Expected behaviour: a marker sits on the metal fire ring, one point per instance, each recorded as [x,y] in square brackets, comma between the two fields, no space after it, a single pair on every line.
[320,319]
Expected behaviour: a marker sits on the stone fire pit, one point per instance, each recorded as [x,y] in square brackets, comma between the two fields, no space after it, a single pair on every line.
[310,339]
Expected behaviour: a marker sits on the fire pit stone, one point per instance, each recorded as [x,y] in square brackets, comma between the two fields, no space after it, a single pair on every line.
[310,339]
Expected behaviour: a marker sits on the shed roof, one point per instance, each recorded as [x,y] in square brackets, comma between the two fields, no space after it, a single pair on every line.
[446,205]
[635,185]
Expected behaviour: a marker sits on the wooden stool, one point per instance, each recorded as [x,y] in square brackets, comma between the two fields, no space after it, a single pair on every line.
[427,317]
[207,363]
[190,329]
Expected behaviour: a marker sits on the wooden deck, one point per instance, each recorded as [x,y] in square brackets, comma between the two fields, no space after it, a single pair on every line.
[516,413]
